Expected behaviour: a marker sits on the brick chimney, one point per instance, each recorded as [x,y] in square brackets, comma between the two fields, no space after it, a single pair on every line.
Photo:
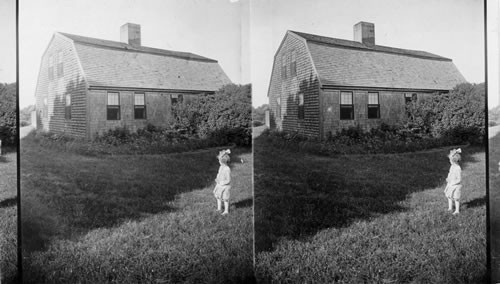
[365,33]
[131,34]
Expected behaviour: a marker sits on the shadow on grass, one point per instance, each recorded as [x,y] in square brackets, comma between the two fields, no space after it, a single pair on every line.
[478,202]
[65,195]
[8,202]
[296,195]
[244,203]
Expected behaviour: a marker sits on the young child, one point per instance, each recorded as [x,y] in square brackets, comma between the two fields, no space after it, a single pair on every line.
[454,179]
[223,181]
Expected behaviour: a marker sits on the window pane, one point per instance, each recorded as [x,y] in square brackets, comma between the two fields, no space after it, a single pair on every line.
[346,112]
[113,99]
[346,98]
[373,98]
[139,99]
[373,112]
[301,99]
[113,113]
[139,112]
[68,100]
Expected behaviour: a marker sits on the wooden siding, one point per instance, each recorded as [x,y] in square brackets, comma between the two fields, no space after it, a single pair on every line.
[392,110]
[158,111]
[287,89]
[51,116]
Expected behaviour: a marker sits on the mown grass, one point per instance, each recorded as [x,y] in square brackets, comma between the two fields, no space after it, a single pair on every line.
[494,196]
[366,218]
[132,218]
[8,219]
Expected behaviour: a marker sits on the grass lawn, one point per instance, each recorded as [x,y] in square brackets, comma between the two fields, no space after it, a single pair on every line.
[133,218]
[8,220]
[367,218]
[494,148]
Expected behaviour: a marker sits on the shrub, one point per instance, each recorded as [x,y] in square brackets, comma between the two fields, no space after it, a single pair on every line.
[210,116]
[8,126]
[492,123]
[458,116]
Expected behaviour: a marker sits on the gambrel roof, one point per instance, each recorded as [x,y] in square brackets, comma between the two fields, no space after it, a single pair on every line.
[108,63]
[341,62]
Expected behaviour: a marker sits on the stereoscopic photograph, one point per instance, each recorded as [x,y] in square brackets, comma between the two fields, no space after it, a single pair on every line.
[250,141]
[136,163]
[369,165]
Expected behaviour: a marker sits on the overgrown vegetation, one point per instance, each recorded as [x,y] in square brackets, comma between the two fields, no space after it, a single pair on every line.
[366,218]
[458,116]
[8,107]
[227,113]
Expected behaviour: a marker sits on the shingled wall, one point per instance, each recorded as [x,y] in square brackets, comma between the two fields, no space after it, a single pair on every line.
[392,110]
[287,89]
[158,110]
[51,115]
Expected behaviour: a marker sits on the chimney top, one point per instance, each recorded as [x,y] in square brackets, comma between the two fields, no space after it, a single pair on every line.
[131,34]
[365,33]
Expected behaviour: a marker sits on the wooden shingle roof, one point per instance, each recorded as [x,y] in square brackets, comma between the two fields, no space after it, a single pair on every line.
[350,63]
[108,63]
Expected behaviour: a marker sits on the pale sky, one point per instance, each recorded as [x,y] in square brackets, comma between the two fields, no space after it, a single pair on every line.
[450,28]
[8,43]
[217,29]
[493,30]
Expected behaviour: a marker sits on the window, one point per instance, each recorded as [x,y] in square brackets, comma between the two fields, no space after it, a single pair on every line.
[278,107]
[346,106]
[410,97]
[67,108]
[51,68]
[283,66]
[301,106]
[373,106]
[139,106]
[176,98]
[60,68]
[293,65]
[113,109]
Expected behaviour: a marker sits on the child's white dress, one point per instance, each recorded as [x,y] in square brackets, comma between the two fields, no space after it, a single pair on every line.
[454,187]
[223,183]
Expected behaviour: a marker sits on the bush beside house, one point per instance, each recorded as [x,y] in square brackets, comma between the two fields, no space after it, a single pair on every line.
[458,116]
[8,127]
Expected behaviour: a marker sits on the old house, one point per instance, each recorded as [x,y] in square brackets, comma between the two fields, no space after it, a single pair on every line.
[87,86]
[320,85]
